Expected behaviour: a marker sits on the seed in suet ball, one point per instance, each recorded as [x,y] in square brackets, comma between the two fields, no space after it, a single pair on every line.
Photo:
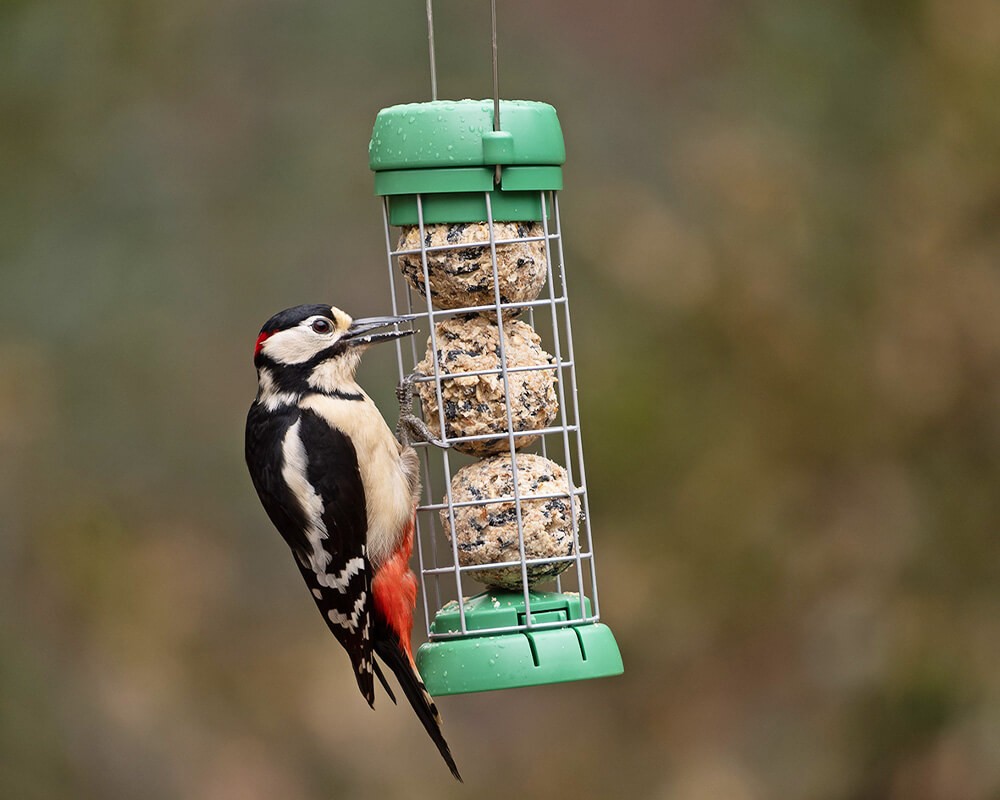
[476,405]
[487,533]
[462,276]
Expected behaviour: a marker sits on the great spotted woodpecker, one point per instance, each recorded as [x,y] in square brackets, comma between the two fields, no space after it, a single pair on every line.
[341,490]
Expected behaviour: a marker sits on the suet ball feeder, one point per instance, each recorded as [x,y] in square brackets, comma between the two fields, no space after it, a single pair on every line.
[445,166]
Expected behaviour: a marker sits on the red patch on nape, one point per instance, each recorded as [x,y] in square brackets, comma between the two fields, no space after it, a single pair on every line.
[260,342]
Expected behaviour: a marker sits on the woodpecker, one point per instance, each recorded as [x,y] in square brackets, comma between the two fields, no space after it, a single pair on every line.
[341,490]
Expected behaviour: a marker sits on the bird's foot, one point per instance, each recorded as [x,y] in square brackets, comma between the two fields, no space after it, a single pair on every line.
[410,428]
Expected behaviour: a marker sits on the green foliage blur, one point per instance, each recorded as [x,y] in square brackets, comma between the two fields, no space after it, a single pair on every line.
[782,222]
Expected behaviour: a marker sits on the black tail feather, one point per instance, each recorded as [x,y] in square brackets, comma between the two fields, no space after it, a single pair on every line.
[389,650]
[385,684]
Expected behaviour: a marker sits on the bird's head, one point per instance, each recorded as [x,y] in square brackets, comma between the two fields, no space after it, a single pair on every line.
[317,346]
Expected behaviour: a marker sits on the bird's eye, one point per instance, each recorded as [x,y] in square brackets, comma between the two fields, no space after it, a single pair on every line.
[322,326]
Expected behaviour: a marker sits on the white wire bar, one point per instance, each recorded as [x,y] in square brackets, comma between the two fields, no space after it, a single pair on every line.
[445,579]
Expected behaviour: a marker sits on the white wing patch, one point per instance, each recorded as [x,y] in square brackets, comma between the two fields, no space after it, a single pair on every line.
[293,470]
[340,581]
[349,622]
[388,485]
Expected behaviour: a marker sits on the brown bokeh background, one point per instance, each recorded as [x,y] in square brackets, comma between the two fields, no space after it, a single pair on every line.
[782,222]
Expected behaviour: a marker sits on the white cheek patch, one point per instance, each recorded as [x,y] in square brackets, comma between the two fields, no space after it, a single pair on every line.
[296,345]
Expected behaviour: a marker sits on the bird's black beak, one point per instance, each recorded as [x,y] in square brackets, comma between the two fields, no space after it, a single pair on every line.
[362,331]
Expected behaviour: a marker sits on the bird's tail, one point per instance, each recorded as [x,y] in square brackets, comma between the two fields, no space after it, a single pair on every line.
[399,661]
[394,591]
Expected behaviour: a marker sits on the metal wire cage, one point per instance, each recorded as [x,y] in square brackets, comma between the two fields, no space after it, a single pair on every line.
[520,616]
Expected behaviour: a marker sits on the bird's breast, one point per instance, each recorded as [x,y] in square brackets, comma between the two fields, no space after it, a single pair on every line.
[386,472]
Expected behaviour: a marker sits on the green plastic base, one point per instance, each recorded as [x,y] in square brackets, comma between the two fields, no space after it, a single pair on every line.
[482,662]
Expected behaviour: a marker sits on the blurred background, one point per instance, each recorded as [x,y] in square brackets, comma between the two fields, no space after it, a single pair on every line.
[782,222]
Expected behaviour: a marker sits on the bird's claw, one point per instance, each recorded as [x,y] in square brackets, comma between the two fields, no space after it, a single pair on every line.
[410,427]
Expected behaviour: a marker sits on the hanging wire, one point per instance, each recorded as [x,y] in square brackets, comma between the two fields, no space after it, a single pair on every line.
[496,80]
[496,71]
[430,48]
[493,59]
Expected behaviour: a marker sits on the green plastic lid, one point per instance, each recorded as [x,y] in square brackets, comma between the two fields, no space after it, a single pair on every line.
[459,133]
[447,152]
[480,662]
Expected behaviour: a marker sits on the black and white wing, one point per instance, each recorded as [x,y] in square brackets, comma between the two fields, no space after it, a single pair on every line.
[307,476]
